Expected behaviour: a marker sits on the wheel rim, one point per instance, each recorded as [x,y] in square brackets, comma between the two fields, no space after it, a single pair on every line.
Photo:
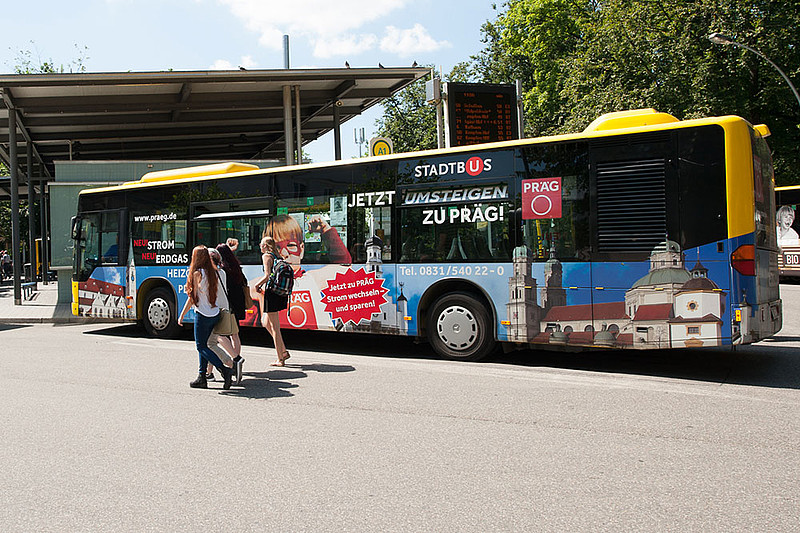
[158,313]
[457,327]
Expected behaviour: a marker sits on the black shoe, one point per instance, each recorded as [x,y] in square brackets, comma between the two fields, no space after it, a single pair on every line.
[227,376]
[200,382]
[210,377]
[238,367]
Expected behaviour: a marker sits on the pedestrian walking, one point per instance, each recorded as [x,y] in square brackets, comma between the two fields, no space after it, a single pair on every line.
[5,261]
[273,303]
[202,289]
[220,344]
[236,285]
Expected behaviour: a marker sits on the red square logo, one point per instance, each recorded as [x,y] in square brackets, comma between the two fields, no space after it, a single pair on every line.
[300,314]
[541,198]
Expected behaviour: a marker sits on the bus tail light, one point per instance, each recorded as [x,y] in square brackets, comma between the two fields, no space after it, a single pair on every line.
[743,260]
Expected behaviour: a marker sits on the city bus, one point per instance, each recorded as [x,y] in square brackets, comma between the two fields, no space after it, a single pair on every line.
[641,232]
[786,201]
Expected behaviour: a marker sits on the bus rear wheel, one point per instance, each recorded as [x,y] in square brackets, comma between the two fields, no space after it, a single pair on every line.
[160,316]
[459,328]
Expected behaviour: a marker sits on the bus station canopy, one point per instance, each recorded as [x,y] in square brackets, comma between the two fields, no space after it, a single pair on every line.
[192,115]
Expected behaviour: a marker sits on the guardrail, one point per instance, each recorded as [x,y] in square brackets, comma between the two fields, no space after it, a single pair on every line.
[28,289]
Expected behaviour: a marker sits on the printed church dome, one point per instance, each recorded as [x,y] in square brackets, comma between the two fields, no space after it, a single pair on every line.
[664,276]
[699,284]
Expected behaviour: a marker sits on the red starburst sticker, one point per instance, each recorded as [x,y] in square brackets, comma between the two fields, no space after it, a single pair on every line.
[354,296]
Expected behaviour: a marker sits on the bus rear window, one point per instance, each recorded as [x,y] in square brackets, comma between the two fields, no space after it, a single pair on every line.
[763,179]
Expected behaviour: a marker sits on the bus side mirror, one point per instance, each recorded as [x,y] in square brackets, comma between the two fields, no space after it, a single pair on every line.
[75,223]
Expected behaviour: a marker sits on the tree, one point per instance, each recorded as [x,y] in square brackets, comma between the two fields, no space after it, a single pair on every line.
[31,62]
[578,59]
[5,217]
[28,62]
[409,120]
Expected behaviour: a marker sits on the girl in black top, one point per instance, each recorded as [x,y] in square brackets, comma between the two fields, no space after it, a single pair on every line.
[236,284]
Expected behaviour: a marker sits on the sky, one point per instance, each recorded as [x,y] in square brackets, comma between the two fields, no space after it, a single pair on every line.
[155,35]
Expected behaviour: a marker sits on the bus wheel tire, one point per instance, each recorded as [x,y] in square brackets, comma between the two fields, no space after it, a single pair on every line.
[459,328]
[160,316]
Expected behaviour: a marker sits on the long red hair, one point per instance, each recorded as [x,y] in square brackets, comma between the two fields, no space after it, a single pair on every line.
[201,261]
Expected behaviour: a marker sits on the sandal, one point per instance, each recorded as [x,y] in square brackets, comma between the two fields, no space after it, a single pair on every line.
[281,360]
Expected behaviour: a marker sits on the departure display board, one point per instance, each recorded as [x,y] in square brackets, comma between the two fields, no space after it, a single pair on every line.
[480,113]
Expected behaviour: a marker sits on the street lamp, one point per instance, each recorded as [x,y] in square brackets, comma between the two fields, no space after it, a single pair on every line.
[718,38]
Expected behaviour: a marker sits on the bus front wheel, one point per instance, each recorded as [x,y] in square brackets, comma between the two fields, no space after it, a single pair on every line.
[459,328]
[160,316]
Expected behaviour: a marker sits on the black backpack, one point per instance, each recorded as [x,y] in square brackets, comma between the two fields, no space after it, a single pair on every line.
[281,280]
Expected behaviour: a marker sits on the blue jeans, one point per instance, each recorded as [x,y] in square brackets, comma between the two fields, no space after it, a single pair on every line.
[203,325]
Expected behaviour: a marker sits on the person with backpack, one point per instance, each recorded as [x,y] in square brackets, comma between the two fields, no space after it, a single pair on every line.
[276,287]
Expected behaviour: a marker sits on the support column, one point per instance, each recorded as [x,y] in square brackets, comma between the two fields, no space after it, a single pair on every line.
[287,124]
[31,204]
[15,241]
[337,134]
[43,225]
[298,128]
[520,111]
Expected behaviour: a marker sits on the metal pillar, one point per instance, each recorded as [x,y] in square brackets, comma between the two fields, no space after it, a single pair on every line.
[43,225]
[337,134]
[520,112]
[287,124]
[12,156]
[31,203]
[298,129]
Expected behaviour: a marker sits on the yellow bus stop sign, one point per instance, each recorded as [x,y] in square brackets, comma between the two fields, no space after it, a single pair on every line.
[380,146]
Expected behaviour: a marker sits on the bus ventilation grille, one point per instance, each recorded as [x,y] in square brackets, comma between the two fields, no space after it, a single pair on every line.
[631,205]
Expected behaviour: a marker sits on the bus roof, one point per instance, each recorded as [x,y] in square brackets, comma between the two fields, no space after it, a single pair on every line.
[609,124]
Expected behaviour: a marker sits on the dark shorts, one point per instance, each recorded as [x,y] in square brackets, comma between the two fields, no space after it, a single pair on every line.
[274,302]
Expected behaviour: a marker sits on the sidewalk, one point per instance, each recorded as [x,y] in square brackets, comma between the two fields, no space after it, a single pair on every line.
[42,308]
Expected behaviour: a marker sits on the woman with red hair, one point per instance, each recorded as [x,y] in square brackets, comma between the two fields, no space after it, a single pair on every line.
[204,295]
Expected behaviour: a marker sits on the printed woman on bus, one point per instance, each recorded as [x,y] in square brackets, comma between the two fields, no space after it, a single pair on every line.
[203,291]
[289,238]
[305,309]
[787,236]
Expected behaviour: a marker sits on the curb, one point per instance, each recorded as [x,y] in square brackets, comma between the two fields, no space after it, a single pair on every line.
[62,320]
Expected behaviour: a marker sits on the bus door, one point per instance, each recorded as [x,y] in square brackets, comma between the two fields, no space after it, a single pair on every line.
[97,241]
[100,259]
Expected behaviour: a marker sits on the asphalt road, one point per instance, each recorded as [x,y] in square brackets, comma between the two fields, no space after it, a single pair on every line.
[102,433]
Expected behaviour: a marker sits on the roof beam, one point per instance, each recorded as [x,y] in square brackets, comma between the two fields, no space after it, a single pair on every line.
[9,102]
[186,91]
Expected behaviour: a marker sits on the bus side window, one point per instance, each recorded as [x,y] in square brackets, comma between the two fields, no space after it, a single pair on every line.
[109,238]
[367,224]
[456,233]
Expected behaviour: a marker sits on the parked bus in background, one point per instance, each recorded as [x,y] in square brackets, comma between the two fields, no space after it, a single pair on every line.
[641,232]
[786,201]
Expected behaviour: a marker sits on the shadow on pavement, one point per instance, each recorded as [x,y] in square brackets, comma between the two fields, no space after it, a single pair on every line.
[9,327]
[772,363]
[263,385]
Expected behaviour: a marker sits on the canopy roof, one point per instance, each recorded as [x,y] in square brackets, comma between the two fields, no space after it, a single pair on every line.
[213,115]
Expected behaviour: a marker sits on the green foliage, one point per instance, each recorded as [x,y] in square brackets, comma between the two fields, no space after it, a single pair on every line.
[5,224]
[31,62]
[409,120]
[578,59]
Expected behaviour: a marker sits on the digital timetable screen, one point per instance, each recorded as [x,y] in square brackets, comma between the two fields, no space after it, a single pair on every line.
[481,113]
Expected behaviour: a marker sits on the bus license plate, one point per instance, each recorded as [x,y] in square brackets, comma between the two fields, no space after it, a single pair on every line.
[791,259]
